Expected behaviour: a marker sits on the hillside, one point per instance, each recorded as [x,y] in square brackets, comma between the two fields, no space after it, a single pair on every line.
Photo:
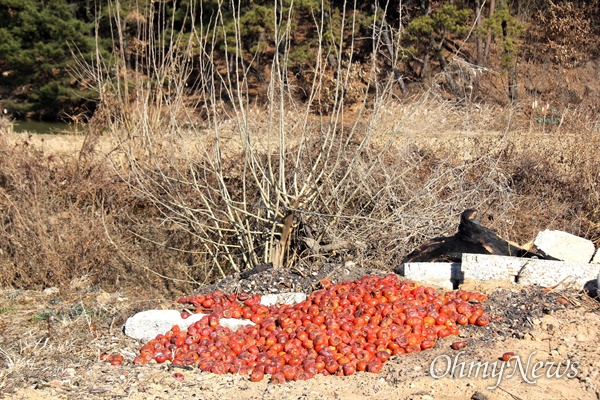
[542,55]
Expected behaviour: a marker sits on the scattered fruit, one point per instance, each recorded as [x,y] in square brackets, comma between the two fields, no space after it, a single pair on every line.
[178,376]
[458,345]
[339,330]
[113,359]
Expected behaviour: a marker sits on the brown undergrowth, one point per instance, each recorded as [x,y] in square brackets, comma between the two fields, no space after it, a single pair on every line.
[70,218]
[76,220]
[67,219]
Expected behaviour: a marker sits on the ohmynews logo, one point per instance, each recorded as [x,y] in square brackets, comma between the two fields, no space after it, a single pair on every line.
[445,366]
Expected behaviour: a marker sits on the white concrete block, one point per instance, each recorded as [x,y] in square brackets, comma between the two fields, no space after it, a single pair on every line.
[526,270]
[146,325]
[549,273]
[446,275]
[565,246]
[596,259]
[282,298]
[234,323]
[486,267]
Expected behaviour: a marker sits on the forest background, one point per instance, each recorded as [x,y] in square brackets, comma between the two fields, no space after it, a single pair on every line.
[524,50]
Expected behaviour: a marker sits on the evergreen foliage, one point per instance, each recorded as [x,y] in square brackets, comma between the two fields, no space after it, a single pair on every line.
[36,38]
[506,30]
[429,32]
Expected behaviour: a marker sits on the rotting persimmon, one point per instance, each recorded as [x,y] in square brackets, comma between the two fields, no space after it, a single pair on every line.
[458,345]
[338,330]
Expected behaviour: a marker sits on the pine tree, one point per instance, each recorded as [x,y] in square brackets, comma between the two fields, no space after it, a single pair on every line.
[36,42]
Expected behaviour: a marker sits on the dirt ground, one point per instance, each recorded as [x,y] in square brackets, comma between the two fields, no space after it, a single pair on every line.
[50,344]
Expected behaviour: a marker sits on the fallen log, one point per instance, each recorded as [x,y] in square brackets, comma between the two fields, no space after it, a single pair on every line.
[472,237]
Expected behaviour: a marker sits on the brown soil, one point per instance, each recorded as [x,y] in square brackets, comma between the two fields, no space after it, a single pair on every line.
[55,143]
[50,346]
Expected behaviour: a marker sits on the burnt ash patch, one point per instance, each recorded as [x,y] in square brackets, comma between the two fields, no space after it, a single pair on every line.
[301,278]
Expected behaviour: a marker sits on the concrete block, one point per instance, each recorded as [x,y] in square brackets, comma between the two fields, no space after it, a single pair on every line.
[548,273]
[282,298]
[565,246]
[446,275]
[234,323]
[146,325]
[486,267]
[596,259]
[526,271]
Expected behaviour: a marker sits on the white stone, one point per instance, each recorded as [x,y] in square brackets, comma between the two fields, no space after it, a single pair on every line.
[282,298]
[486,267]
[446,275]
[146,325]
[549,273]
[50,291]
[527,271]
[234,323]
[565,246]
[596,259]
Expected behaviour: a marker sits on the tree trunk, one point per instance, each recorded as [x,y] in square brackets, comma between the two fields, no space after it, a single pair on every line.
[451,82]
[387,41]
[386,34]
[281,248]
[478,24]
[488,42]
[425,67]
[513,91]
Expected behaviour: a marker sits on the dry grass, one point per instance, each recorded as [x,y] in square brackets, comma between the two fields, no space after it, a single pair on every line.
[68,216]
[64,217]
[47,337]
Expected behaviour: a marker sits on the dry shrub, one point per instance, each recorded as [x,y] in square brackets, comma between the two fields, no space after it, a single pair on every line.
[520,182]
[47,236]
[178,203]
[65,219]
[6,125]
[568,32]
[408,194]
[557,183]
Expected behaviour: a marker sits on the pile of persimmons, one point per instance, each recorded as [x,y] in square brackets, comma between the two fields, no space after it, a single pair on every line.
[338,330]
